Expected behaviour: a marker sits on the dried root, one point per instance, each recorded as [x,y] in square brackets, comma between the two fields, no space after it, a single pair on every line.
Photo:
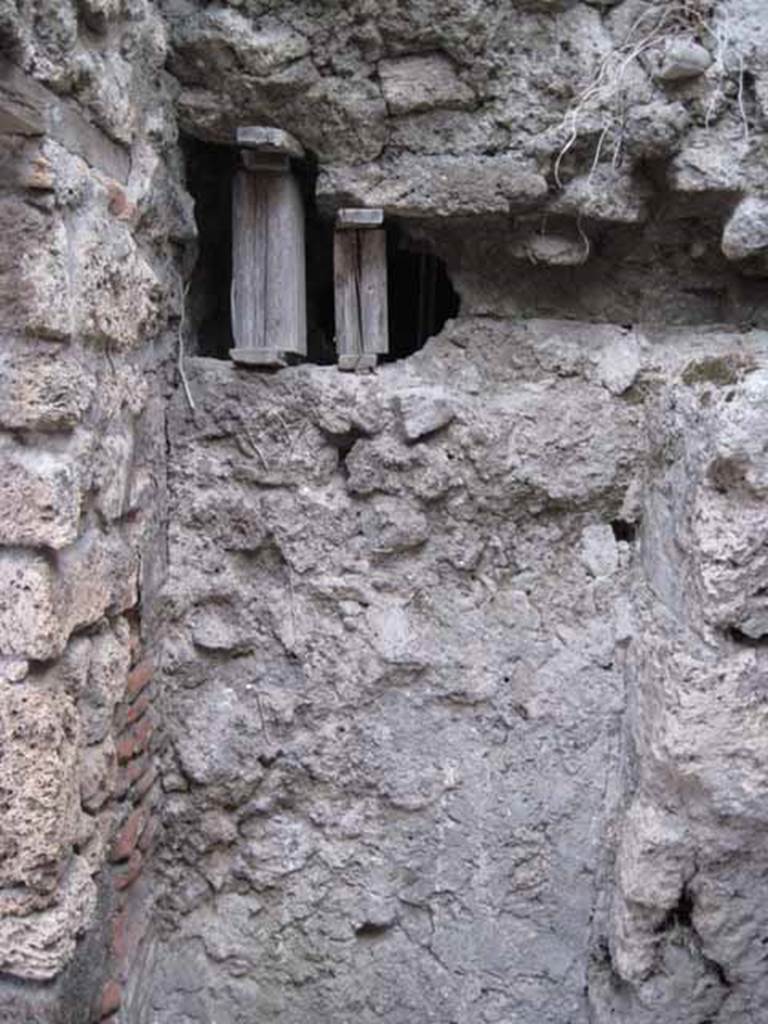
[660,21]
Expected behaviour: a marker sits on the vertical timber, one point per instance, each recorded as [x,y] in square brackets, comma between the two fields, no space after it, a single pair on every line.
[269,317]
[360,283]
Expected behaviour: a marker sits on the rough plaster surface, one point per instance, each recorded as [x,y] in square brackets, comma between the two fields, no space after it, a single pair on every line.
[464,697]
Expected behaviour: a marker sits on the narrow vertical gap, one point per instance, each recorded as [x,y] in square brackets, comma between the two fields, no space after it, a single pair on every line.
[420,295]
[421,327]
[358,292]
[209,172]
[319,268]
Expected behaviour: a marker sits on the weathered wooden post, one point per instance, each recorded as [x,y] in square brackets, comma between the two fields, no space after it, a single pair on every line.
[269,316]
[360,284]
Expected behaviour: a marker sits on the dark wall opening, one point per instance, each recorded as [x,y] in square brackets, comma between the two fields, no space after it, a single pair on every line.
[209,179]
[210,170]
[319,263]
[421,296]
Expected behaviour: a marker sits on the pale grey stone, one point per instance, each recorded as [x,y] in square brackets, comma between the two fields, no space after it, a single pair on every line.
[424,411]
[746,233]
[599,551]
[681,59]
[420,83]
[40,499]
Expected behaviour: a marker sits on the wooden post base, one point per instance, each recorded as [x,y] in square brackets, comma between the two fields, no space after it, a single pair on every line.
[265,357]
[357,362]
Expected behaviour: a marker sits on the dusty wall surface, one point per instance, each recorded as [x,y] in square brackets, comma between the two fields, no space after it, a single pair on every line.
[467,719]
[455,673]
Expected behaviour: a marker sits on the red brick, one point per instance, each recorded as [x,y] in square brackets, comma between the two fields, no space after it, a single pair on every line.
[127,837]
[130,772]
[127,875]
[111,998]
[120,936]
[144,784]
[148,836]
[135,711]
[134,740]
[120,205]
[139,676]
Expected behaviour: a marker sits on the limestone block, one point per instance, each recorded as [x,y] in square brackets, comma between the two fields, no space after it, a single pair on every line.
[37,946]
[107,91]
[41,605]
[98,574]
[29,616]
[227,41]
[39,779]
[437,186]
[34,282]
[117,290]
[746,232]
[39,498]
[112,470]
[418,83]
[42,388]
[104,685]
[342,119]
[72,181]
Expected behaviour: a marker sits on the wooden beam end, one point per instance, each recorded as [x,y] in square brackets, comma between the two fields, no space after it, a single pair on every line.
[269,140]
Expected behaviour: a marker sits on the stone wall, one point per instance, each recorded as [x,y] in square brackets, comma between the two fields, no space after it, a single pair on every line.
[91,212]
[435,694]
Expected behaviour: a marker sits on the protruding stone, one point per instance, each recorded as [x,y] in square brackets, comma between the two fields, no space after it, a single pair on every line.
[436,186]
[269,140]
[13,670]
[424,411]
[553,249]
[681,59]
[599,552]
[39,499]
[42,388]
[746,232]
[619,364]
[30,625]
[418,83]
[606,194]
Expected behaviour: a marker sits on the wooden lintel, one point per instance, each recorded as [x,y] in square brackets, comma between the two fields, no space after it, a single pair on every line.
[269,140]
[276,163]
[268,357]
[359,218]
